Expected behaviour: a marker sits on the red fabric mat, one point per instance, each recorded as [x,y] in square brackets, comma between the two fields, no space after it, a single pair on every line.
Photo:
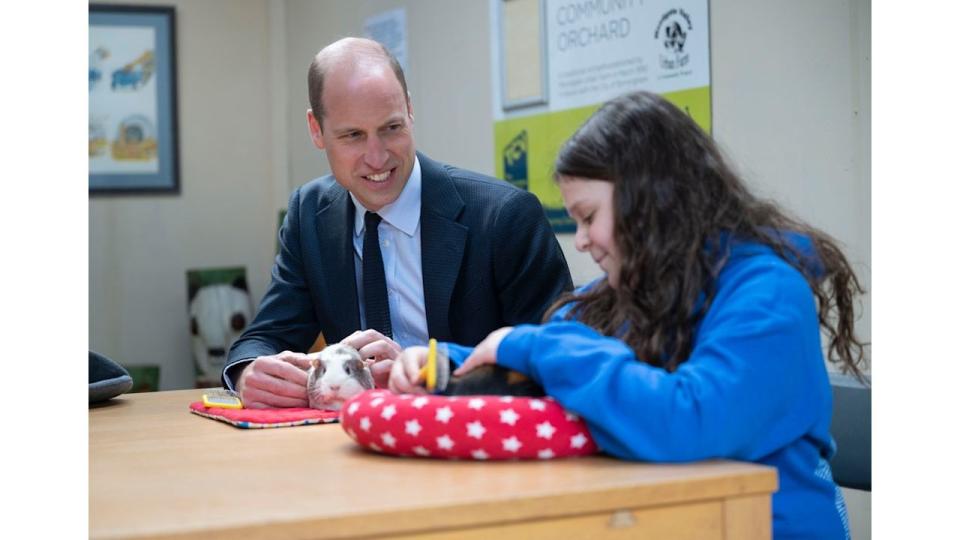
[265,418]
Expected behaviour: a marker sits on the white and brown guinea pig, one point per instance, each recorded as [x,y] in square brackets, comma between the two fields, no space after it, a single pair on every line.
[336,374]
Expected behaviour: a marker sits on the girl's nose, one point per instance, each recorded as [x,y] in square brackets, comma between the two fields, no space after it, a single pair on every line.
[580,240]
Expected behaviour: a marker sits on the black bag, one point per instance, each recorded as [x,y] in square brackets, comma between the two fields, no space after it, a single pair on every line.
[107,378]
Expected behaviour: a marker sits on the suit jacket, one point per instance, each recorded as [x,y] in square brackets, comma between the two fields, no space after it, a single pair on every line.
[490,259]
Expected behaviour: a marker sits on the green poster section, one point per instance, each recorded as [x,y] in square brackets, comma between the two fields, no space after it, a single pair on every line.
[525,147]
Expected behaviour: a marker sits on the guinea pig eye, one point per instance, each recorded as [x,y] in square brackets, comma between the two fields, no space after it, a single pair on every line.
[348,369]
[238,321]
[194,329]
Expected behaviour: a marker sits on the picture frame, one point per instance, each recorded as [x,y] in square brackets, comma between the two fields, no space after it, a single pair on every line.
[523,43]
[133,138]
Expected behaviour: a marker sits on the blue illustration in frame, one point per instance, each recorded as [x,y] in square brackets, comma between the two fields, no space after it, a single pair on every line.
[133,142]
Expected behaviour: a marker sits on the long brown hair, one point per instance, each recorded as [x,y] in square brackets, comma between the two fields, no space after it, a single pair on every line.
[674,199]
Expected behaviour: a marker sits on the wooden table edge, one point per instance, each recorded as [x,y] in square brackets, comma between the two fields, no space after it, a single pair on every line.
[762,481]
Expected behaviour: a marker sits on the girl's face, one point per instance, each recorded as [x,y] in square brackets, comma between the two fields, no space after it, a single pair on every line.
[590,203]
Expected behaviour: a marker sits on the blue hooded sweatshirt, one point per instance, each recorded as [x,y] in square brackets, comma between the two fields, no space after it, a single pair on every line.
[754,388]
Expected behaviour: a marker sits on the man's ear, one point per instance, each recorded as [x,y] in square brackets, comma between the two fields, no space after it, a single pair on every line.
[316,133]
[410,108]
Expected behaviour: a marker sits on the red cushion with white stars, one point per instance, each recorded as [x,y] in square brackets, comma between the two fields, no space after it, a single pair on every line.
[464,427]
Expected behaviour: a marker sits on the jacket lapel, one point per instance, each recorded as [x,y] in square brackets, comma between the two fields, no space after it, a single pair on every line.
[442,242]
[337,260]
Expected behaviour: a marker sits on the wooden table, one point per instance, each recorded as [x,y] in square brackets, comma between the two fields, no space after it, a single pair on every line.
[158,471]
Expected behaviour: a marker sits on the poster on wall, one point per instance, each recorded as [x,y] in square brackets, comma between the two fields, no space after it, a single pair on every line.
[556,61]
[132,100]
[389,28]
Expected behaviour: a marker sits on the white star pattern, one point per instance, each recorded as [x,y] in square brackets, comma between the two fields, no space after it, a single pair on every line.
[421,451]
[412,427]
[476,404]
[388,439]
[578,440]
[445,442]
[479,454]
[545,454]
[509,416]
[538,405]
[475,429]
[388,412]
[512,444]
[420,402]
[376,402]
[506,399]
[365,423]
[444,414]
[353,408]
[545,430]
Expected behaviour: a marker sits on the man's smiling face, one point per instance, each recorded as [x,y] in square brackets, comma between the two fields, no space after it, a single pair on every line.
[367,132]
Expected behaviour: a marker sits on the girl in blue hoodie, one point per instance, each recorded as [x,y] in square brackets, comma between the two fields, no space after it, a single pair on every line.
[703,338]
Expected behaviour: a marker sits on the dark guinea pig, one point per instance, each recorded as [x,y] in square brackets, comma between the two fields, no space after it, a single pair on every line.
[492,380]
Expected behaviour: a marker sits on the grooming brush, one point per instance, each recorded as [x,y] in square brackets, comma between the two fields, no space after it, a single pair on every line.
[436,372]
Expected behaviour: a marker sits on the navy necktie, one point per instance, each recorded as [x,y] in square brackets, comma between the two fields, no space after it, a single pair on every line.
[376,307]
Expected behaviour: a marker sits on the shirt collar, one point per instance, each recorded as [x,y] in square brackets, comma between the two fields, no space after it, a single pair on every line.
[403,213]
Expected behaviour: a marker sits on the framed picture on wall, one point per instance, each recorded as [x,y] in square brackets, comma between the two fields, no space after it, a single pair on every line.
[133,100]
[523,53]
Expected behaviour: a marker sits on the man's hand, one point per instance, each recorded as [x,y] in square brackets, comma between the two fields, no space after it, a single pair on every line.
[383,351]
[405,375]
[485,352]
[275,381]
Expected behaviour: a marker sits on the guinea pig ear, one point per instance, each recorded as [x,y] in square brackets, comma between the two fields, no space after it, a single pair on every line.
[315,363]
[351,351]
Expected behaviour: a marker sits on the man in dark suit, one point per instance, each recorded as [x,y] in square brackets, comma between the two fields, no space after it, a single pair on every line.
[460,254]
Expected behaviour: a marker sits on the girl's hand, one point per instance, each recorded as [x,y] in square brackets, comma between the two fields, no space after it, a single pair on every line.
[405,373]
[485,352]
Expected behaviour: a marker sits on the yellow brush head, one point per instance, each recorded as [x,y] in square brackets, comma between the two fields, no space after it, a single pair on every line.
[431,365]
[436,372]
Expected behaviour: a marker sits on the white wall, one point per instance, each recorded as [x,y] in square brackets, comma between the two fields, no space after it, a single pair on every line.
[142,246]
[791,107]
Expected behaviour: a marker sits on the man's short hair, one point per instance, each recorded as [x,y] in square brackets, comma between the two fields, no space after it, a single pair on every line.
[317,72]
